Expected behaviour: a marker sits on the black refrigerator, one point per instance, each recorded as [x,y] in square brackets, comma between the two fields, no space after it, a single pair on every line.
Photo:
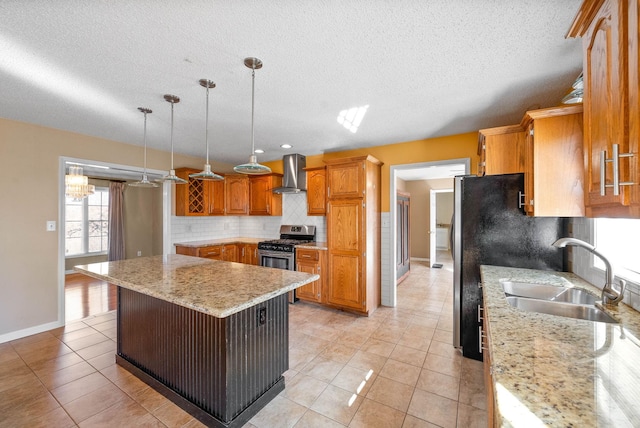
[490,228]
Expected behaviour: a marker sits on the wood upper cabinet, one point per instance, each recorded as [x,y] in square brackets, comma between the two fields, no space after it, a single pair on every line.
[316,191]
[501,150]
[353,233]
[237,194]
[311,261]
[554,171]
[347,180]
[198,197]
[609,31]
[262,200]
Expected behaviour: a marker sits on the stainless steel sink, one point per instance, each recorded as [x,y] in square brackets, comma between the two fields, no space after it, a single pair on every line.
[549,292]
[583,312]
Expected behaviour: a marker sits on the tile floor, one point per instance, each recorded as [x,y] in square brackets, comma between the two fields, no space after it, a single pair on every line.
[396,368]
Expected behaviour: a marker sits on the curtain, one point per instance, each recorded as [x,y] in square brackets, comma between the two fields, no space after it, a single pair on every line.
[116,221]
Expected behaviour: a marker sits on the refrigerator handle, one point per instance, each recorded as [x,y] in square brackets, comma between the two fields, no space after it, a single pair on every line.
[521,200]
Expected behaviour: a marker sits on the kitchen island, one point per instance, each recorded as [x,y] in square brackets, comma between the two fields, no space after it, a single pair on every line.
[211,336]
[553,371]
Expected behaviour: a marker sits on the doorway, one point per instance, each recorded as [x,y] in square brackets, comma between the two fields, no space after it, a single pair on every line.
[440,218]
[84,291]
[445,169]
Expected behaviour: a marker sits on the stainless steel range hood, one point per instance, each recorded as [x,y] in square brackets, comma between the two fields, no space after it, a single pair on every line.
[295,177]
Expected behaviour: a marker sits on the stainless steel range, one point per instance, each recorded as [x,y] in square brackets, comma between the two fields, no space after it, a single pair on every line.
[281,253]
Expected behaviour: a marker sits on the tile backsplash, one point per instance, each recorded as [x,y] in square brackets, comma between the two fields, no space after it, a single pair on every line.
[294,211]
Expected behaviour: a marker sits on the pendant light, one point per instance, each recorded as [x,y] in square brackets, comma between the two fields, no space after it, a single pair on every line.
[145,180]
[172,173]
[76,184]
[207,174]
[253,167]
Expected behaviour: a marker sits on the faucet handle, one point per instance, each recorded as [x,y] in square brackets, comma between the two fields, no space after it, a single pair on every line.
[613,296]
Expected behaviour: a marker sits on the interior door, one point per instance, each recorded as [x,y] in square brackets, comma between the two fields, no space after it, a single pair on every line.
[403,249]
[432,227]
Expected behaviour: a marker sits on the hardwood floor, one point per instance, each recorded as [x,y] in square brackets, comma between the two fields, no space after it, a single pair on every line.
[86,296]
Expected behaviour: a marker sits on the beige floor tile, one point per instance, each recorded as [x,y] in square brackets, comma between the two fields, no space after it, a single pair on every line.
[63,376]
[354,339]
[410,340]
[444,350]
[304,389]
[473,394]
[471,417]
[401,372]
[171,415]
[311,419]
[77,334]
[337,404]
[103,361]
[443,336]
[438,383]
[338,352]
[107,325]
[48,366]
[92,403]
[413,422]
[280,412]
[391,393]
[56,417]
[408,355]
[366,361]
[149,398]
[77,388]
[388,333]
[124,413]
[322,369]
[355,380]
[86,341]
[378,347]
[434,408]
[372,414]
[299,358]
[43,351]
[97,349]
[442,365]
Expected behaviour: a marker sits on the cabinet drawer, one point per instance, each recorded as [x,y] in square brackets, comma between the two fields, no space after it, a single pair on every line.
[307,254]
[210,252]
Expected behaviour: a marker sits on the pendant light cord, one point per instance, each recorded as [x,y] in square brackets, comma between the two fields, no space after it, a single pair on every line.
[145,142]
[253,90]
[206,126]
[172,136]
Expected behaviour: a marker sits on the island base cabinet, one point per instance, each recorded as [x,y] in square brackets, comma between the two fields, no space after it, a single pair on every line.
[220,370]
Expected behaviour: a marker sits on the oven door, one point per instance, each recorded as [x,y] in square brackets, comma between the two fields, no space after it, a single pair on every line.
[278,260]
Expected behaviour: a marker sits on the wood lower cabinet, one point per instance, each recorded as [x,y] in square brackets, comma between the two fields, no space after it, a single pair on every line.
[198,197]
[609,31]
[262,200]
[501,150]
[236,194]
[314,262]
[353,233]
[231,252]
[316,191]
[554,168]
[248,254]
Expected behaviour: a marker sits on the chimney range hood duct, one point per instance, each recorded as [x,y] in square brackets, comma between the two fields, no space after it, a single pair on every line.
[294,179]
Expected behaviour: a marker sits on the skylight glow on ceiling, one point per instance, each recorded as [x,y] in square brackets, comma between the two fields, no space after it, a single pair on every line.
[352,117]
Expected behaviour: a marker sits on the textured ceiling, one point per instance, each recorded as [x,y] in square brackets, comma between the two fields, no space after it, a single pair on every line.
[424,68]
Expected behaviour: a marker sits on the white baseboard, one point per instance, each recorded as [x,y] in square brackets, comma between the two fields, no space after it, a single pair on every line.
[19,334]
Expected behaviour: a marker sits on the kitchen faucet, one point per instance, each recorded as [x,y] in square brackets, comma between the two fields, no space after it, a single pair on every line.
[609,294]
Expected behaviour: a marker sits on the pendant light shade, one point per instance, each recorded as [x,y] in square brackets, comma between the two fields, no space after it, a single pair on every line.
[207,174]
[253,167]
[145,180]
[172,173]
[76,185]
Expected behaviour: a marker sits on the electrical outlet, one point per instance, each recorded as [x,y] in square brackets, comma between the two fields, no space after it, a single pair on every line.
[51,226]
[262,316]
[139,253]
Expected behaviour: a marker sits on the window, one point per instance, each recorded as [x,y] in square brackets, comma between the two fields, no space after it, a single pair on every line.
[87,224]
[617,239]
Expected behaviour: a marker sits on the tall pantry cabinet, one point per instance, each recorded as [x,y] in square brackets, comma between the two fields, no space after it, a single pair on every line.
[353,233]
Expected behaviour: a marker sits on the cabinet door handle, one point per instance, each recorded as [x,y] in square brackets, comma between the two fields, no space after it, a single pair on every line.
[306,256]
[615,160]
[521,200]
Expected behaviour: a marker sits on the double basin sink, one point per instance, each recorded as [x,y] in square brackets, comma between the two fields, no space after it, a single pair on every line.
[555,300]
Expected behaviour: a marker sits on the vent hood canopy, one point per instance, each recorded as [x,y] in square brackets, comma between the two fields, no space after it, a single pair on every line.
[294,179]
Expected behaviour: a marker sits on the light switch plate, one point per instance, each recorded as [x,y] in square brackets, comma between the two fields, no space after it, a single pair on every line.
[51,226]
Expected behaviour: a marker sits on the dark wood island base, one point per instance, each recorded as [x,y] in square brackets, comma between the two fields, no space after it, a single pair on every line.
[220,370]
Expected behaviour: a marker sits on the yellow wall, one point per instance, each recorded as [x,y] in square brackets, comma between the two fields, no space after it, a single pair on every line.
[429,150]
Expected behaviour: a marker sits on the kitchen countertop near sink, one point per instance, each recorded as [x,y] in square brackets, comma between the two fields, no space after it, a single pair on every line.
[314,246]
[556,371]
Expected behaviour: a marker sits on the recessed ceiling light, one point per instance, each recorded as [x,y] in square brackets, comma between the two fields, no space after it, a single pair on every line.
[286,146]
[259,151]
[352,117]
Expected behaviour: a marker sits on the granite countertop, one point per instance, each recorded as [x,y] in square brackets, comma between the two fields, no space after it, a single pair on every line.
[314,246]
[556,371]
[208,242]
[213,287]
